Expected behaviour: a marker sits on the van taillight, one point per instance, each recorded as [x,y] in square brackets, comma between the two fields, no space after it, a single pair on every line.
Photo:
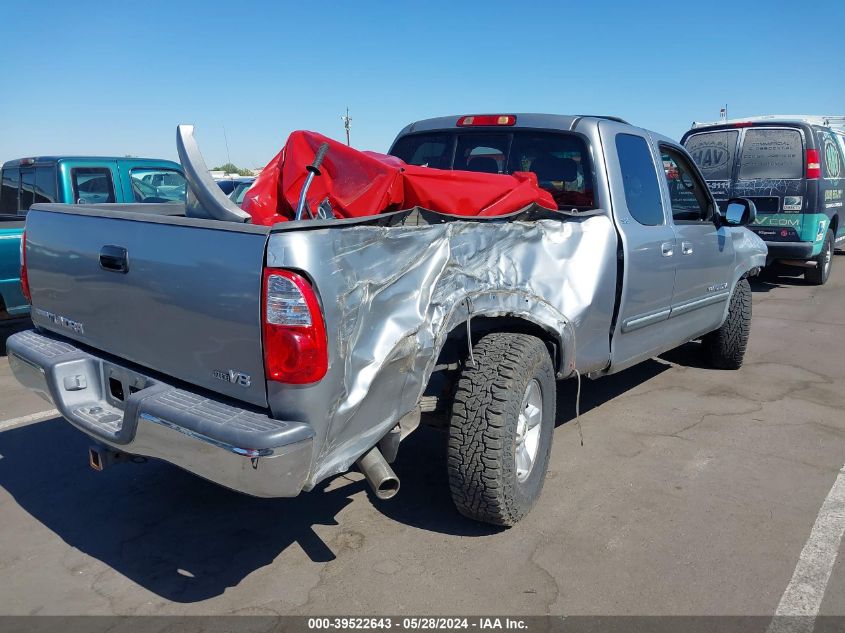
[24,277]
[814,168]
[295,347]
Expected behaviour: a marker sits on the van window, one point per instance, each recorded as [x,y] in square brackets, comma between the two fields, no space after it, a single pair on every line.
[642,191]
[11,182]
[92,185]
[714,153]
[771,153]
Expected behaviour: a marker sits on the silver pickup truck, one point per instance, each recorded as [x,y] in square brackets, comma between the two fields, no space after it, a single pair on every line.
[268,359]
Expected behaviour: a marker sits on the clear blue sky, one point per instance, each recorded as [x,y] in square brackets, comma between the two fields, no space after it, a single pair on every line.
[116,78]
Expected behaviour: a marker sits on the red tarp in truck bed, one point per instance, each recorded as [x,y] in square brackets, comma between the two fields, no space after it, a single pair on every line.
[359,184]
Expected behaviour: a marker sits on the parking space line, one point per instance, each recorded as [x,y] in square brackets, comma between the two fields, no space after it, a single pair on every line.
[804,594]
[32,417]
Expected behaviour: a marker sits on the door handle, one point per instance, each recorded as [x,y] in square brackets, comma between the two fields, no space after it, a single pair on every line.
[114,259]
[686,248]
[667,249]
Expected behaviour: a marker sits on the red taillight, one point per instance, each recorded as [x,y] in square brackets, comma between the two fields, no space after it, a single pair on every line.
[742,124]
[295,347]
[487,119]
[814,168]
[24,277]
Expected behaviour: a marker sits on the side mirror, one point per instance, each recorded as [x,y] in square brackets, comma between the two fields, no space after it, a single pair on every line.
[739,212]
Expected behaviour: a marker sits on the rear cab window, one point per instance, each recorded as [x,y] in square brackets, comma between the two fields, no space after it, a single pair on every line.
[24,186]
[10,184]
[560,160]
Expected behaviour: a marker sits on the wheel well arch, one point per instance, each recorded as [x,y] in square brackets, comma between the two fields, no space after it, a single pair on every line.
[455,348]
[834,224]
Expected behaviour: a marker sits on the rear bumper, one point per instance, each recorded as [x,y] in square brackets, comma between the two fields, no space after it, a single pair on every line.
[790,250]
[235,447]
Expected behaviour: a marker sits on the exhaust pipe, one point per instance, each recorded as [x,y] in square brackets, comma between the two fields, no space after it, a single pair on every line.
[379,474]
[100,457]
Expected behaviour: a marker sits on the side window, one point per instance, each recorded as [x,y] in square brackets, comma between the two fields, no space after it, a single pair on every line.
[686,191]
[92,185]
[11,182]
[642,190]
[157,185]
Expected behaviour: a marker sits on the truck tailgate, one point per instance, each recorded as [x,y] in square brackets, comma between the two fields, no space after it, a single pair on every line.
[187,305]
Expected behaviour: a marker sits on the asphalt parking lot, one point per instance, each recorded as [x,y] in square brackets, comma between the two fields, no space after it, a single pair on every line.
[695,492]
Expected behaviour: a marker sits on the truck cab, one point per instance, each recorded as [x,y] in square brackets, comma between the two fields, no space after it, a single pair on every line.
[72,180]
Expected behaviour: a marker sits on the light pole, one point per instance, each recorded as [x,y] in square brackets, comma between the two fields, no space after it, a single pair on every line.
[347,123]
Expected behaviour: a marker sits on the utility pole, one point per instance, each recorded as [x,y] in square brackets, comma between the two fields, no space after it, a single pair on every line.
[347,121]
[226,140]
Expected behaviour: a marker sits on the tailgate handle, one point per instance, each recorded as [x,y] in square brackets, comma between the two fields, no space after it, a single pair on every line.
[114,259]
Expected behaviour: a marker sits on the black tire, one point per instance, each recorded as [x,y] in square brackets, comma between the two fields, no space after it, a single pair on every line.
[483,429]
[726,346]
[824,262]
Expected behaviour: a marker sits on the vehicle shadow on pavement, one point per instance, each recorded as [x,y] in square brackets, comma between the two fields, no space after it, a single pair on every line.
[597,392]
[188,540]
[178,536]
[9,327]
[771,280]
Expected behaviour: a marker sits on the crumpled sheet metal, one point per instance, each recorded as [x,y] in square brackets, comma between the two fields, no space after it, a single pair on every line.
[391,295]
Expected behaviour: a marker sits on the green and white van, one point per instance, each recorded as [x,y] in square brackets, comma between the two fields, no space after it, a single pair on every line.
[792,167]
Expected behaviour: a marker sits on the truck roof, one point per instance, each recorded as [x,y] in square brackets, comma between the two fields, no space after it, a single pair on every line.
[51,160]
[523,120]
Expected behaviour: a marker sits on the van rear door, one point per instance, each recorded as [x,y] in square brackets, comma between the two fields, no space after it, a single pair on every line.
[770,171]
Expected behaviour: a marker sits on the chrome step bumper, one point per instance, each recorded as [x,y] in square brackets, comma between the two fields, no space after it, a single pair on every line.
[131,412]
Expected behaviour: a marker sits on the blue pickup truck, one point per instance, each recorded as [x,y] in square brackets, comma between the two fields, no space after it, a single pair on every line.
[72,180]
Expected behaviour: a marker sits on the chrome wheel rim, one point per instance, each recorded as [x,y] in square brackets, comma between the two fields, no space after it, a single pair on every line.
[528,427]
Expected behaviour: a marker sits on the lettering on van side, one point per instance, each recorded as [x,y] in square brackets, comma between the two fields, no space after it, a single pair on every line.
[767,220]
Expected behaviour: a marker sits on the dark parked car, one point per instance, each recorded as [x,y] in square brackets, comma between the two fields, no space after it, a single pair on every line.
[228,185]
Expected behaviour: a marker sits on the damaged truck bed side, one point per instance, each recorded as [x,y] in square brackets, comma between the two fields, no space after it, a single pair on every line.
[268,358]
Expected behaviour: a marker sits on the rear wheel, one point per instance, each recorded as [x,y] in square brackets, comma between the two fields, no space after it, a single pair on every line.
[501,428]
[726,346]
[824,262]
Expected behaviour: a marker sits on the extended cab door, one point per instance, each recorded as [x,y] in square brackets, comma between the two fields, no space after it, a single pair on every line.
[649,254]
[88,182]
[705,257]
